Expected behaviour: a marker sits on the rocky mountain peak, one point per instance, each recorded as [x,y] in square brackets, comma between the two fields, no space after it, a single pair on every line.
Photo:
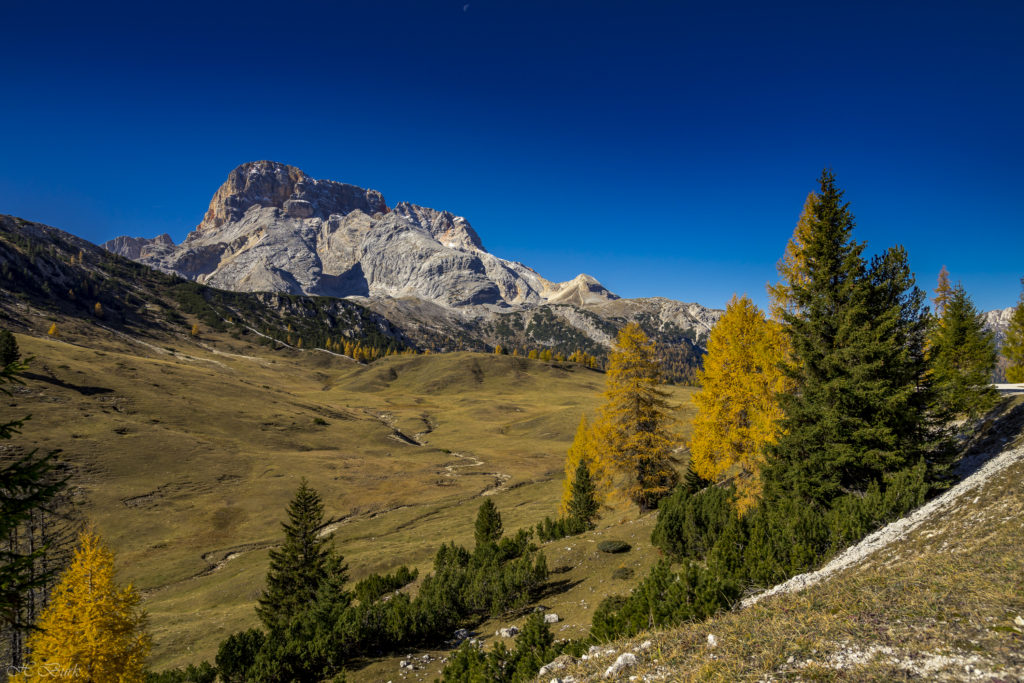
[277,185]
[450,230]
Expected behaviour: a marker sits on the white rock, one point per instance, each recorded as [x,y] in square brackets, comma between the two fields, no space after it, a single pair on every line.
[402,664]
[1019,620]
[712,640]
[644,646]
[623,662]
[551,618]
[509,632]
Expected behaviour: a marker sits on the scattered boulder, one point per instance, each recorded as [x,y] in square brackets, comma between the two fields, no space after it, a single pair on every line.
[624,662]
[509,632]
[644,646]
[557,664]
[712,640]
[551,618]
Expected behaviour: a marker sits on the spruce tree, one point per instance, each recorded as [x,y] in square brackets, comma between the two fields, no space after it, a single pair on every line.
[583,503]
[28,485]
[857,335]
[488,524]
[1013,346]
[963,357]
[302,564]
[9,352]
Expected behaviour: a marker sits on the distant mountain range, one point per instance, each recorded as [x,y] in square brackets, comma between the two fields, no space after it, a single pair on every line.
[272,228]
[332,258]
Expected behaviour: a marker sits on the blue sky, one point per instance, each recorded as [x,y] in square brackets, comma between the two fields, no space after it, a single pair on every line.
[664,147]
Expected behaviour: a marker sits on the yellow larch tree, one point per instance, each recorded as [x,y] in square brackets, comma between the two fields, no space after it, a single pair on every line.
[943,291]
[632,438]
[738,411]
[579,450]
[792,267]
[92,630]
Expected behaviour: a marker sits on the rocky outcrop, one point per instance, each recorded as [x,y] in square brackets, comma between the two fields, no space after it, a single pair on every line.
[139,248]
[271,184]
[998,321]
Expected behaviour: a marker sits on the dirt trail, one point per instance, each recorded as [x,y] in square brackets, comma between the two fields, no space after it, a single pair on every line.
[896,531]
[450,470]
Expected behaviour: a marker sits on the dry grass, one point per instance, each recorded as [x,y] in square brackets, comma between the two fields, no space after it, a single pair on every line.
[189,457]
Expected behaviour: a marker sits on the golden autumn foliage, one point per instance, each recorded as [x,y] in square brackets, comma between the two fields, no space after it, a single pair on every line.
[579,450]
[792,267]
[738,411]
[632,438]
[92,630]
[943,291]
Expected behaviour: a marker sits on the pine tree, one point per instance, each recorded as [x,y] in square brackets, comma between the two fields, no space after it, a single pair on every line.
[9,352]
[488,524]
[963,355]
[28,484]
[738,409]
[300,566]
[943,291]
[92,631]
[792,267]
[583,503]
[578,452]
[857,333]
[632,437]
[1013,345]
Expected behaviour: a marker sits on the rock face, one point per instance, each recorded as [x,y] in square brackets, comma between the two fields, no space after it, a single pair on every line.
[140,248]
[270,227]
[998,321]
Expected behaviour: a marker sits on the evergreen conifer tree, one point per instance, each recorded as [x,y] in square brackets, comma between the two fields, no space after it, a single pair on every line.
[583,503]
[857,336]
[304,563]
[1013,346]
[963,355]
[27,485]
[9,352]
[488,524]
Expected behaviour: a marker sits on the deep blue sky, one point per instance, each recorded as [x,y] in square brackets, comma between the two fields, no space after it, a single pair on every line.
[664,147]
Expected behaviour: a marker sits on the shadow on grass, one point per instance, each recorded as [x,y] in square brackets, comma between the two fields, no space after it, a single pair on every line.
[83,390]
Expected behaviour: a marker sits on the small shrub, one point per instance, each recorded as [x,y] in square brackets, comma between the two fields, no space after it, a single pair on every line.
[623,573]
[614,547]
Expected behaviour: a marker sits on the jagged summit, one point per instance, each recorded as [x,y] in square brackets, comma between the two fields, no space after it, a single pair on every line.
[271,184]
[271,227]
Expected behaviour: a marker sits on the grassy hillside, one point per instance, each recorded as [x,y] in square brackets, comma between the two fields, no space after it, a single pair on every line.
[187,450]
